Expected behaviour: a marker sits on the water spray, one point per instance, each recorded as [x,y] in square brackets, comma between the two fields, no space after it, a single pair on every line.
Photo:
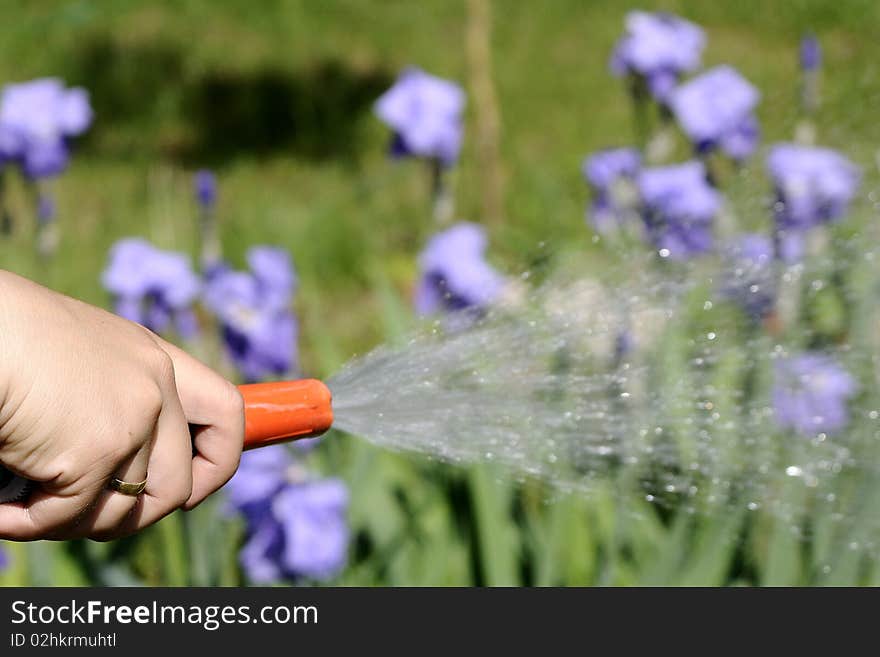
[274,412]
[547,391]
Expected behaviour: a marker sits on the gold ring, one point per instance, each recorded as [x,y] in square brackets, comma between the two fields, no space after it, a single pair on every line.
[127,488]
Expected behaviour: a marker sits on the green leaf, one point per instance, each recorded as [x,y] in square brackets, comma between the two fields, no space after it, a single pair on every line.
[497,537]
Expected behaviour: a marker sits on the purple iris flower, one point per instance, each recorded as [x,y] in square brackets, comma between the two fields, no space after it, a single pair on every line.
[153,287]
[36,120]
[4,559]
[604,171]
[658,48]
[275,273]
[316,533]
[45,159]
[810,394]
[810,53]
[296,527]
[749,280]
[205,186]
[741,143]
[454,273]
[813,186]
[715,109]
[678,208]
[424,112]
[259,329]
[262,473]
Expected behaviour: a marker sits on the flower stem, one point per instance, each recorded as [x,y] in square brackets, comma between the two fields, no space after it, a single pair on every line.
[487,113]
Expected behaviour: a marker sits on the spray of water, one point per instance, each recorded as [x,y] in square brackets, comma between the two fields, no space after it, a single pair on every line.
[516,387]
[584,384]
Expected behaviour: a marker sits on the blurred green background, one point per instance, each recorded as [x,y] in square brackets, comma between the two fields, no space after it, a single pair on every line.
[276,97]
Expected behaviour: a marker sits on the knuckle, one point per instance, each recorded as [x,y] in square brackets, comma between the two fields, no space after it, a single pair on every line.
[148,407]
[163,365]
[69,471]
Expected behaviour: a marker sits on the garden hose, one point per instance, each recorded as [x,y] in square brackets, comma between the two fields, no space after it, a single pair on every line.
[273,412]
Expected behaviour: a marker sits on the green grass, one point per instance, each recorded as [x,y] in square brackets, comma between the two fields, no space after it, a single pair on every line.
[354,223]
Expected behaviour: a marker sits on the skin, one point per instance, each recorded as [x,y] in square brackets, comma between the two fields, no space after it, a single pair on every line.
[86,396]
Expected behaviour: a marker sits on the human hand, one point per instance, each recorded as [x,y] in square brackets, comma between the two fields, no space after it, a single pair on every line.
[86,396]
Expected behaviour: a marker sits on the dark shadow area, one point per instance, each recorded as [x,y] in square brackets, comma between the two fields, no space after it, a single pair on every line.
[315,114]
[127,83]
[146,103]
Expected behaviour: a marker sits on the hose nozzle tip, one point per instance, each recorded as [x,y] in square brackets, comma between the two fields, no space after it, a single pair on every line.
[285,410]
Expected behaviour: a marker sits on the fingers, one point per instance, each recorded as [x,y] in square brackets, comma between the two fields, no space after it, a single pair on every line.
[83,509]
[169,477]
[112,507]
[76,502]
[215,408]
[44,516]
[16,523]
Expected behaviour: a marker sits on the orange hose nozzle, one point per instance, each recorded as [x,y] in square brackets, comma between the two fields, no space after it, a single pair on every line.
[285,410]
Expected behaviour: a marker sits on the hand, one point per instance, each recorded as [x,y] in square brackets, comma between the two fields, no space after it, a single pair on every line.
[86,396]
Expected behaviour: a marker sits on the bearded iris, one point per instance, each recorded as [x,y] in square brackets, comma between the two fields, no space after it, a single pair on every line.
[37,120]
[811,393]
[153,287]
[253,308]
[716,110]
[455,276]
[205,188]
[813,186]
[657,48]
[424,111]
[678,209]
[610,173]
[295,524]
